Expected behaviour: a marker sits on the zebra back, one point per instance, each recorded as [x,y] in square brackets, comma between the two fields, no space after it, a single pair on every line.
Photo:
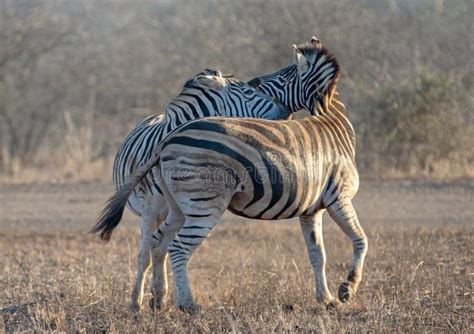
[276,170]
[209,93]
[108,219]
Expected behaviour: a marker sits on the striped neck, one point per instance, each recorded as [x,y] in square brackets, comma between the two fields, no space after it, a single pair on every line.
[283,85]
[333,110]
[301,87]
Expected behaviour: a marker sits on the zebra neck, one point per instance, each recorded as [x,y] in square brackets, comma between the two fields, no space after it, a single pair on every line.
[285,86]
[335,111]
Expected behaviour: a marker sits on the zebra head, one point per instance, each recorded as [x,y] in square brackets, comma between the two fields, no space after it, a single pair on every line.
[304,83]
[227,96]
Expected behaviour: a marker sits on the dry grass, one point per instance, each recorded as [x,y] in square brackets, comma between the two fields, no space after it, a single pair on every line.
[247,277]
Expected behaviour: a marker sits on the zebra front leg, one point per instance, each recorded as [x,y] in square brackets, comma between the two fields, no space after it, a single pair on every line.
[191,235]
[147,226]
[342,211]
[311,226]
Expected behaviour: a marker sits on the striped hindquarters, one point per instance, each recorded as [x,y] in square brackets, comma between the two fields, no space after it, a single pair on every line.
[135,150]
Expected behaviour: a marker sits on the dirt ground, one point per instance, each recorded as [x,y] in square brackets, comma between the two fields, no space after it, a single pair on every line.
[248,276]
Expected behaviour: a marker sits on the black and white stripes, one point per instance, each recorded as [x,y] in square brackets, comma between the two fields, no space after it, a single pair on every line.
[261,169]
[207,94]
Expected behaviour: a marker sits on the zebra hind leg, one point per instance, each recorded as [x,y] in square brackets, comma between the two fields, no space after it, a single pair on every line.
[202,202]
[159,285]
[342,211]
[147,226]
[311,226]
[189,238]
[163,236]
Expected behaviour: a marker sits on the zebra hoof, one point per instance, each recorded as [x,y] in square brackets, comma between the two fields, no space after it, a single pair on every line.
[333,305]
[154,305]
[135,308]
[192,308]
[345,292]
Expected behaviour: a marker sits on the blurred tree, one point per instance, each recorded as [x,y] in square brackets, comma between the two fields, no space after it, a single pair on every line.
[27,33]
[139,53]
[418,124]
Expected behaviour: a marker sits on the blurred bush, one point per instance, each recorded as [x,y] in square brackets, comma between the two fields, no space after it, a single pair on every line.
[419,126]
[75,76]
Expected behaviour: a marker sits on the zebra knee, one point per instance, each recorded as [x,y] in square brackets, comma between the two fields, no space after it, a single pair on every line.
[155,239]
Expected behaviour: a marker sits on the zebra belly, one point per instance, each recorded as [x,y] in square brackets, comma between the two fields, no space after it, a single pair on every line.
[289,206]
[289,195]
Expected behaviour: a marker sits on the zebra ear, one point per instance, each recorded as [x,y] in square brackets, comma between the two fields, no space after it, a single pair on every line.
[211,82]
[300,60]
[315,42]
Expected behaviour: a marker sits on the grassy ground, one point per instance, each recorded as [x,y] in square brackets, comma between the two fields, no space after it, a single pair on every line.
[248,277]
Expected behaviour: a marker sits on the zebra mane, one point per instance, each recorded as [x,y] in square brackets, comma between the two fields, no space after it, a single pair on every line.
[310,52]
[323,97]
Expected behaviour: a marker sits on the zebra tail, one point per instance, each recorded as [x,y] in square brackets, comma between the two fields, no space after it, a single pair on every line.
[110,216]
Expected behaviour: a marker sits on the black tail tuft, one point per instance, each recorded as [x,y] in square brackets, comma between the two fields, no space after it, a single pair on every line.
[110,216]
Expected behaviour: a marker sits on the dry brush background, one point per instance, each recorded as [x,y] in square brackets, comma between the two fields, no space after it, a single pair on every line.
[75,76]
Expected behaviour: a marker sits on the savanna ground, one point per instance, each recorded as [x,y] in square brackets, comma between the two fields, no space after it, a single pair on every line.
[247,276]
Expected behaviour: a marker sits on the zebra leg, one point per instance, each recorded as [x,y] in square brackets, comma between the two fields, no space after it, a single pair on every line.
[191,235]
[311,226]
[147,226]
[165,233]
[342,211]
[159,285]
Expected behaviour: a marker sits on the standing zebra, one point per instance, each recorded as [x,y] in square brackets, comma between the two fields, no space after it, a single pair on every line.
[207,94]
[259,169]
[294,85]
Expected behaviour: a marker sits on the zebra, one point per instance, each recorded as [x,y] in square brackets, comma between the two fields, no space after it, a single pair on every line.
[206,94]
[292,85]
[259,169]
